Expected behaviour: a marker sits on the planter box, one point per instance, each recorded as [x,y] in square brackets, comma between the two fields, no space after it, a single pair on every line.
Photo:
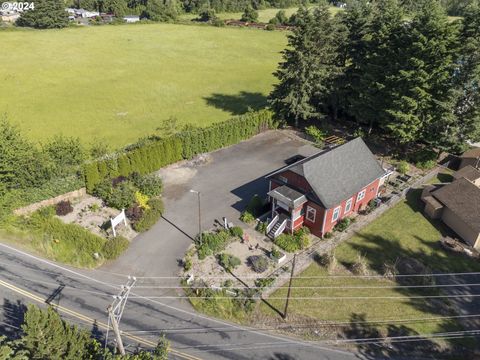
[280,259]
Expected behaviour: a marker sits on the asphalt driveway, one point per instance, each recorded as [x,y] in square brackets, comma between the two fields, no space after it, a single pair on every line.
[226,183]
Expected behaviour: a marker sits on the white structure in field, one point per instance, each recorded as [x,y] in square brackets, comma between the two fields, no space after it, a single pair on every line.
[117,220]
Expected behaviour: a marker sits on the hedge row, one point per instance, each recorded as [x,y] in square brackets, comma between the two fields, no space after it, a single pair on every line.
[151,154]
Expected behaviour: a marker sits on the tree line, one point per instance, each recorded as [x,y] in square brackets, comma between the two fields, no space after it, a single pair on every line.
[414,79]
[45,335]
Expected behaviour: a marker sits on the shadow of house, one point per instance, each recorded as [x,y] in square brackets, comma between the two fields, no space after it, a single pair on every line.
[14,313]
[237,104]
[245,192]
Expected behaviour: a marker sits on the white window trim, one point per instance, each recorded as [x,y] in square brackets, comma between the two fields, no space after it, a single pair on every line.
[311,209]
[337,210]
[348,205]
[361,195]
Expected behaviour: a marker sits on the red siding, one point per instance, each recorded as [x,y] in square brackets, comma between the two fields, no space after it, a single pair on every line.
[318,228]
[295,180]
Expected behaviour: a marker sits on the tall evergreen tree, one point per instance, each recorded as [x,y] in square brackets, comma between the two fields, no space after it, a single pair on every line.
[47,14]
[467,76]
[428,79]
[306,74]
[376,62]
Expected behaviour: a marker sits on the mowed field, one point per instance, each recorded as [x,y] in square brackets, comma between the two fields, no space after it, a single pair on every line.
[118,83]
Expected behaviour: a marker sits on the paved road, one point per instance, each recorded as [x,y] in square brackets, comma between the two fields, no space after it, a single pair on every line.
[25,279]
[227,182]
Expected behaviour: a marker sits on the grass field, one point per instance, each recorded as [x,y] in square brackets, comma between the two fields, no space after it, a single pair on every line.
[119,83]
[402,232]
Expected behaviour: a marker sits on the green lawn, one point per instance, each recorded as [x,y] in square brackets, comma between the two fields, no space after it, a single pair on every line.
[119,83]
[401,233]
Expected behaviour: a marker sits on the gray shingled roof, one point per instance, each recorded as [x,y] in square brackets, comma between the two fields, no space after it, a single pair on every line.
[339,173]
[468,172]
[288,196]
[463,199]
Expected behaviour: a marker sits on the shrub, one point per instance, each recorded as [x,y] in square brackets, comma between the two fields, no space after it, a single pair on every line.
[258,263]
[236,231]
[141,200]
[403,167]
[360,266]
[255,205]
[262,227]
[316,134]
[211,243]
[151,216]
[291,243]
[342,224]
[113,248]
[424,159]
[121,196]
[249,15]
[247,217]
[275,253]
[264,282]
[328,235]
[207,15]
[63,208]
[218,22]
[228,262]
[187,263]
[150,185]
[270,27]
[327,260]
[134,213]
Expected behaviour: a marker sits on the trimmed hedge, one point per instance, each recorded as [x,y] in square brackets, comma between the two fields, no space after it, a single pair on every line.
[153,153]
[150,216]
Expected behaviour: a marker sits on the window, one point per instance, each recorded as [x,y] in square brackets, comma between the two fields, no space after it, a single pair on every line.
[361,195]
[311,213]
[348,205]
[283,179]
[336,213]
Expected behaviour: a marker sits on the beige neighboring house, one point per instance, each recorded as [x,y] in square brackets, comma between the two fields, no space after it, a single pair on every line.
[470,157]
[457,204]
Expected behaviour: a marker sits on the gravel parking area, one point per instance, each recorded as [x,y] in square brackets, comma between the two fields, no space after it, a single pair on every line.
[226,179]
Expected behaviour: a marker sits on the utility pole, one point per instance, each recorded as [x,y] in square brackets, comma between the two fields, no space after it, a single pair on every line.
[289,286]
[199,213]
[115,312]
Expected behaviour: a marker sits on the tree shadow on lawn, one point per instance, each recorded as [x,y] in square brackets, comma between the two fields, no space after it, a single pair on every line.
[237,104]
[427,258]
[372,346]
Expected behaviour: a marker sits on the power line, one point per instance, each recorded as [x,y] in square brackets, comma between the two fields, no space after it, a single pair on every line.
[307,326]
[313,298]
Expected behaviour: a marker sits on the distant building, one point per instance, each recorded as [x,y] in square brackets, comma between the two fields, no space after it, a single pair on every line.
[86,13]
[10,17]
[457,204]
[131,18]
[470,157]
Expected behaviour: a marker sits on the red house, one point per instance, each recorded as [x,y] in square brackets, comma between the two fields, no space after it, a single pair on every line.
[319,190]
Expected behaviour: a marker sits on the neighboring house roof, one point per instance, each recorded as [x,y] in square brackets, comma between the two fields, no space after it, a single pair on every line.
[288,196]
[338,173]
[473,153]
[468,172]
[462,198]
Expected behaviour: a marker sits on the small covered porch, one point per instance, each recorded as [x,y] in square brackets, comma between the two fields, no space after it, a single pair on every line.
[287,207]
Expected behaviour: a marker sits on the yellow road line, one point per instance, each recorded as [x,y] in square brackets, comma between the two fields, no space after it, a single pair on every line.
[90,320]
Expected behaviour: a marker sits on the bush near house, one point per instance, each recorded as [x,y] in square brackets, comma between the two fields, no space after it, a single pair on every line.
[258,263]
[343,224]
[247,217]
[152,153]
[228,262]
[236,231]
[211,243]
[291,243]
